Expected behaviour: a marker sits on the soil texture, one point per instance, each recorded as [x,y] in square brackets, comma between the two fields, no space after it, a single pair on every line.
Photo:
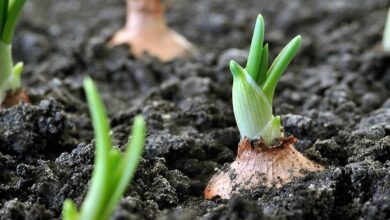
[334,98]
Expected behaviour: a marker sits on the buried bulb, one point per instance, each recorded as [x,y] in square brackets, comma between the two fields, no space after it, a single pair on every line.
[146,31]
[265,156]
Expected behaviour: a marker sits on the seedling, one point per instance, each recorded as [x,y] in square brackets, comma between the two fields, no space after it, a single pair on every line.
[265,155]
[112,171]
[10,82]
[146,31]
[386,35]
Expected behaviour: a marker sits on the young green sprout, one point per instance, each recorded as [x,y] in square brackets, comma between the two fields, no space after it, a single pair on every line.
[112,171]
[386,34]
[10,74]
[265,156]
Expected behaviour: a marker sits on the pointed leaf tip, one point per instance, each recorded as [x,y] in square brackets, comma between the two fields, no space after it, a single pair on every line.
[139,122]
[235,68]
[256,48]
[279,66]
[297,40]
[18,69]
[88,83]
[69,210]
[260,19]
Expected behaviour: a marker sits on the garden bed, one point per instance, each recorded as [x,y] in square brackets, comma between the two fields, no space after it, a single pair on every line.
[334,98]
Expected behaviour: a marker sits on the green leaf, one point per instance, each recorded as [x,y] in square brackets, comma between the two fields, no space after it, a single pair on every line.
[16,76]
[279,66]
[112,172]
[3,14]
[236,69]
[18,69]
[69,211]
[114,158]
[250,105]
[128,165]
[6,65]
[254,57]
[263,67]
[99,191]
[272,130]
[14,9]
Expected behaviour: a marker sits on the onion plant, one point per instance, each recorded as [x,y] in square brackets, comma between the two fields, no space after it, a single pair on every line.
[265,156]
[9,73]
[146,30]
[254,87]
[112,171]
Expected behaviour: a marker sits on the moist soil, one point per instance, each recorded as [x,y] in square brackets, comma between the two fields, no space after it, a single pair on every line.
[334,98]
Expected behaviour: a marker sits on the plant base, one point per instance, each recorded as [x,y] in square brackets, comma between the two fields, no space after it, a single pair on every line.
[13,98]
[166,46]
[146,31]
[256,165]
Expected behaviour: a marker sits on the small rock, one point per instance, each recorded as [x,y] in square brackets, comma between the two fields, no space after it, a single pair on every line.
[380,117]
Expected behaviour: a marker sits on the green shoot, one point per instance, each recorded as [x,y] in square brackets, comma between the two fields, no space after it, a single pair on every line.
[112,171]
[9,73]
[386,34]
[255,51]
[254,87]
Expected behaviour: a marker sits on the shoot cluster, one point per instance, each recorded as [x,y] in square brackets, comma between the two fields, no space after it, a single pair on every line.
[254,87]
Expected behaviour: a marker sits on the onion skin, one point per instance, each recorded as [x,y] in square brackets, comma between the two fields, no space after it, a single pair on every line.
[13,98]
[146,31]
[257,164]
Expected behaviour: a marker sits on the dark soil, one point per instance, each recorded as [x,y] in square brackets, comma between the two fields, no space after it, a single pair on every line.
[334,98]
